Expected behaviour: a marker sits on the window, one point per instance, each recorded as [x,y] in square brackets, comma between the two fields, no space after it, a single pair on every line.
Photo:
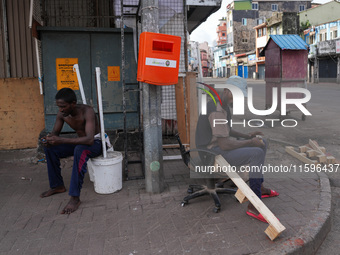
[274,7]
[254,6]
[312,39]
[223,34]
[302,8]
[335,34]
[264,31]
[260,32]
[244,40]
[331,35]
[320,37]
[259,21]
[230,23]
[244,22]
[277,30]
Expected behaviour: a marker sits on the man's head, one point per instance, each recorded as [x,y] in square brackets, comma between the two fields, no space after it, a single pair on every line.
[66,101]
[227,96]
[67,95]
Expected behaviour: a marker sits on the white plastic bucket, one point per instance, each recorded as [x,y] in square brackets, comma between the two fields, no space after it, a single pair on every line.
[107,173]
[90,170]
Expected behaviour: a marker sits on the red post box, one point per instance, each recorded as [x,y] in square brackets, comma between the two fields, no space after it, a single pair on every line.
[158,59]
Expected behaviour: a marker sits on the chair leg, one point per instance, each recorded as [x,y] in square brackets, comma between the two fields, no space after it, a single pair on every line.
[225,190]
[217,201]
[194,186]
[194,195]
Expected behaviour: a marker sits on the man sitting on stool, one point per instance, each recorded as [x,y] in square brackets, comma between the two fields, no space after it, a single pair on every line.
[83,120]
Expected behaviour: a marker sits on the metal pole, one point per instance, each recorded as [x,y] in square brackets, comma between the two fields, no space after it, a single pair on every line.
[122,36]
[152,122]
[200,77]
[338,72]
[316,67]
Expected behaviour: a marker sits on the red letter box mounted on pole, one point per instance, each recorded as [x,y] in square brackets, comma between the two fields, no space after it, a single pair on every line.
[158,59]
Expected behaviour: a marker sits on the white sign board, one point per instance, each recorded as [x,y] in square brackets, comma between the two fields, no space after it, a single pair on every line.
[337,47]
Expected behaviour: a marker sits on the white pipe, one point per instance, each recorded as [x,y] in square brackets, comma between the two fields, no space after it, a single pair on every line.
[100,106]
[38,65]
[30,15]
[81,88]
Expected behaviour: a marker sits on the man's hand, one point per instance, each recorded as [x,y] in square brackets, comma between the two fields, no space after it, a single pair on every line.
[53,139]
[254,134]
[44,141]
[256,142]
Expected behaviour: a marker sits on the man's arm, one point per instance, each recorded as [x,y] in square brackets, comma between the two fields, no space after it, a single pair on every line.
[225,143]
[88,139]
[237,134]
[58,125]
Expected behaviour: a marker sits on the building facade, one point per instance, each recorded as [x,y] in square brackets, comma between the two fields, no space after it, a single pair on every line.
[322,25]
[280,23]
[221,31]
[242,17]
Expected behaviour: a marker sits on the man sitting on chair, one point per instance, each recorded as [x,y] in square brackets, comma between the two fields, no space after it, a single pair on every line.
[250,150]
[83,120]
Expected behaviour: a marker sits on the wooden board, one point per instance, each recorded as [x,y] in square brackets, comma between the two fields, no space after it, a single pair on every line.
[180,110]
[21,113]
[300,156]
[193,106]
[275,227]
[315,146]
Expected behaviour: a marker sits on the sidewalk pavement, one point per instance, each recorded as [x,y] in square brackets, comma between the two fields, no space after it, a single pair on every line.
[133,221]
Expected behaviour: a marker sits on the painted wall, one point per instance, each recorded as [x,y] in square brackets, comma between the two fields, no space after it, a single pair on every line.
[242,5]
[21,113]
[243,35]
[322,14]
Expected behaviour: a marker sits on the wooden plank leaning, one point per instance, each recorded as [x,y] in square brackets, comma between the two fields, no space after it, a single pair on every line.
[275,227]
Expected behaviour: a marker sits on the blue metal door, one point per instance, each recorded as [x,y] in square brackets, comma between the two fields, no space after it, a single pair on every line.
[240,71]
[245,72]
[92,48]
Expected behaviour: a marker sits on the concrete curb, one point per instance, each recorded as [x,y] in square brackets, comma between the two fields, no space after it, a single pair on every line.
[22,155]
[310,237]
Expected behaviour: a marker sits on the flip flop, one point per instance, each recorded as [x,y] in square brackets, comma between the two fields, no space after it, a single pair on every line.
[273,193]
[258,217]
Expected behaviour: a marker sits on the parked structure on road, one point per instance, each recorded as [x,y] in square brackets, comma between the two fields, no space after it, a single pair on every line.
[280,23]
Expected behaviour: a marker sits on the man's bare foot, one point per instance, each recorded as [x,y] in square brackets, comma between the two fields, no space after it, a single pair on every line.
[71,206]
[51,192]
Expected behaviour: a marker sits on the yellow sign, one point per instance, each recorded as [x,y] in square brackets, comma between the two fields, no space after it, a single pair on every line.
[66,78]
[113,73]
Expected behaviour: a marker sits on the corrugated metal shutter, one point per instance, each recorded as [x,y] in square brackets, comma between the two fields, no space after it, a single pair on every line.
[4,65]
[20,42]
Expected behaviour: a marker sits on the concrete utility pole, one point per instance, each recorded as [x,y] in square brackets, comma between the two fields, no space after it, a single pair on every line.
[152,121]
[338,72]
